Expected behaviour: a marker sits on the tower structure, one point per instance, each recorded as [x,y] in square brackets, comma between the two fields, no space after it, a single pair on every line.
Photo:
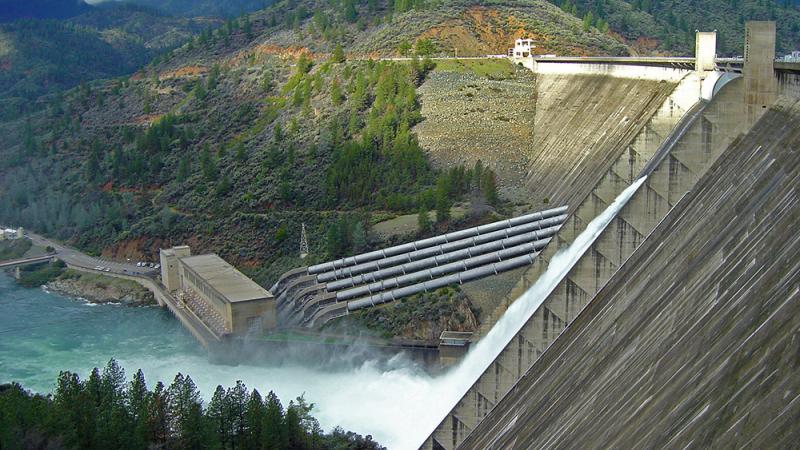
[303,242]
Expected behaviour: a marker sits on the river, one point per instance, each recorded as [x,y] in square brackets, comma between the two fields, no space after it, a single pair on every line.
[42,333]
[398,404]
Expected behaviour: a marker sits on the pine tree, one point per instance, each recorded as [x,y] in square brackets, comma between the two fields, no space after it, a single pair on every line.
[138,401]
[489,187]
[237,405]
[350,13]
[218,416]
[274,433]
[207,164]
[254,422]
[442,207]
[338,54]
[423,220]
[159,417]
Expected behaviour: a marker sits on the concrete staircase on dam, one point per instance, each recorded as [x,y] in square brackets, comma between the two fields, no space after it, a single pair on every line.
[674,169]
[695,341]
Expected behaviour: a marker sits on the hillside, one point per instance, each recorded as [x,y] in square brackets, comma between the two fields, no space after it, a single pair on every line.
[45,56]
[234,139]
[667,26]
[41,9]
[209,8]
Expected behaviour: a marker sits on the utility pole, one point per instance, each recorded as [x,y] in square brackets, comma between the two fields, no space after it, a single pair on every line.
[303,242]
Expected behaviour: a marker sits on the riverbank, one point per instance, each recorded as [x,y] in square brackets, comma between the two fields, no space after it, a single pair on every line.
[100,289]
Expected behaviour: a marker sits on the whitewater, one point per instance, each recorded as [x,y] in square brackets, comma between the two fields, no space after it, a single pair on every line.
[397,403]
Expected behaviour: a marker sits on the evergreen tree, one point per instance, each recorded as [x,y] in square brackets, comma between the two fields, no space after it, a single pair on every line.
[254,422]
[275,436]
[138,401]
[237,405]
[489,187]
[423,220]
[350,13]
[442,207]
[218,416]
[159,416]
[207,164]
[338,54]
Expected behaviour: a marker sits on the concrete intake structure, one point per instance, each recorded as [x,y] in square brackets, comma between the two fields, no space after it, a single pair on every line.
[338,287]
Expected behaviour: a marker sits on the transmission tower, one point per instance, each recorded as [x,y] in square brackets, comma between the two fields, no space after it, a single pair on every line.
[303,242]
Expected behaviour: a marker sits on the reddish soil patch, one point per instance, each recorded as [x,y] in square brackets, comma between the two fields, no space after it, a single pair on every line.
[183,72]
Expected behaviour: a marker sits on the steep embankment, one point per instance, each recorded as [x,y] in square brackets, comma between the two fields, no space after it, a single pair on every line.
[694,341]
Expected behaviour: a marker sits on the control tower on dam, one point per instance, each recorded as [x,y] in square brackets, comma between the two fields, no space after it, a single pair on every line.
[672,165]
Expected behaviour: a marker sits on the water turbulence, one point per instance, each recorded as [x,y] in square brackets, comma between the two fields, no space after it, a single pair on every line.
[398,403]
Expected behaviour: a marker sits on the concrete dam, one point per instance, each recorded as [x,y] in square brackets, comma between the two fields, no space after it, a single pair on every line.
[505,407]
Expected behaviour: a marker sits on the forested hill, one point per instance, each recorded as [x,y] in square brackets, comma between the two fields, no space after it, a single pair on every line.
[669,25]
[232,141]
[274,119]
[41,9]
[39,57]
[210,8]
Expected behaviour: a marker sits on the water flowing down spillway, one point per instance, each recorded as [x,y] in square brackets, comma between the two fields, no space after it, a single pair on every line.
[42,333]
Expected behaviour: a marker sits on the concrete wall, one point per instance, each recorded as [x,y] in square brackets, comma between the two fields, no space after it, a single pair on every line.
[705,140]
[262,310]
[705,51]
[695,342]
[759,58]
[609,70]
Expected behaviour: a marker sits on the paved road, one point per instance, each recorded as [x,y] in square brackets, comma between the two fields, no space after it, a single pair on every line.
[75,257]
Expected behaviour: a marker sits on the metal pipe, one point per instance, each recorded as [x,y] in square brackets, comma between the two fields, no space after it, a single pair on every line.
[440,271]
[372,266]
[456,278]
[429,242]
[440,259]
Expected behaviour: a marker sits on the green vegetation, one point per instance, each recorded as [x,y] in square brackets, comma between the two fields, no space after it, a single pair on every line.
[422,316]
[14,248]
[43,57]
[36,275]
[493,69]
[669,25]
[106,411]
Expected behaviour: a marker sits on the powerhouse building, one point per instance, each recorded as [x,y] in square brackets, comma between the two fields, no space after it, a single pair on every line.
[226,300]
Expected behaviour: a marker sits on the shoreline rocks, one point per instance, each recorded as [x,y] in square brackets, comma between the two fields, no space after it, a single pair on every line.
[102,291]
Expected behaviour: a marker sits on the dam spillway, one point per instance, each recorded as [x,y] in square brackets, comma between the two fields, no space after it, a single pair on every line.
[693,342]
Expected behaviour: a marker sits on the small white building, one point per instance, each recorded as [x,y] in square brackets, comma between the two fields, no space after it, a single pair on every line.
[523,48]
[10,233]
[792,57]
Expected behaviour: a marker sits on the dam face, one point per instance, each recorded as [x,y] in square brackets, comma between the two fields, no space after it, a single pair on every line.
[695,340]
[675,153]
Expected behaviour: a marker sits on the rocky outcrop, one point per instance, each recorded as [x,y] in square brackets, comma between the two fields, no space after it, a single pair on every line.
[99,289]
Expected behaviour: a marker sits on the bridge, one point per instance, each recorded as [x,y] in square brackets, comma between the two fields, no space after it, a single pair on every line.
[10,264]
